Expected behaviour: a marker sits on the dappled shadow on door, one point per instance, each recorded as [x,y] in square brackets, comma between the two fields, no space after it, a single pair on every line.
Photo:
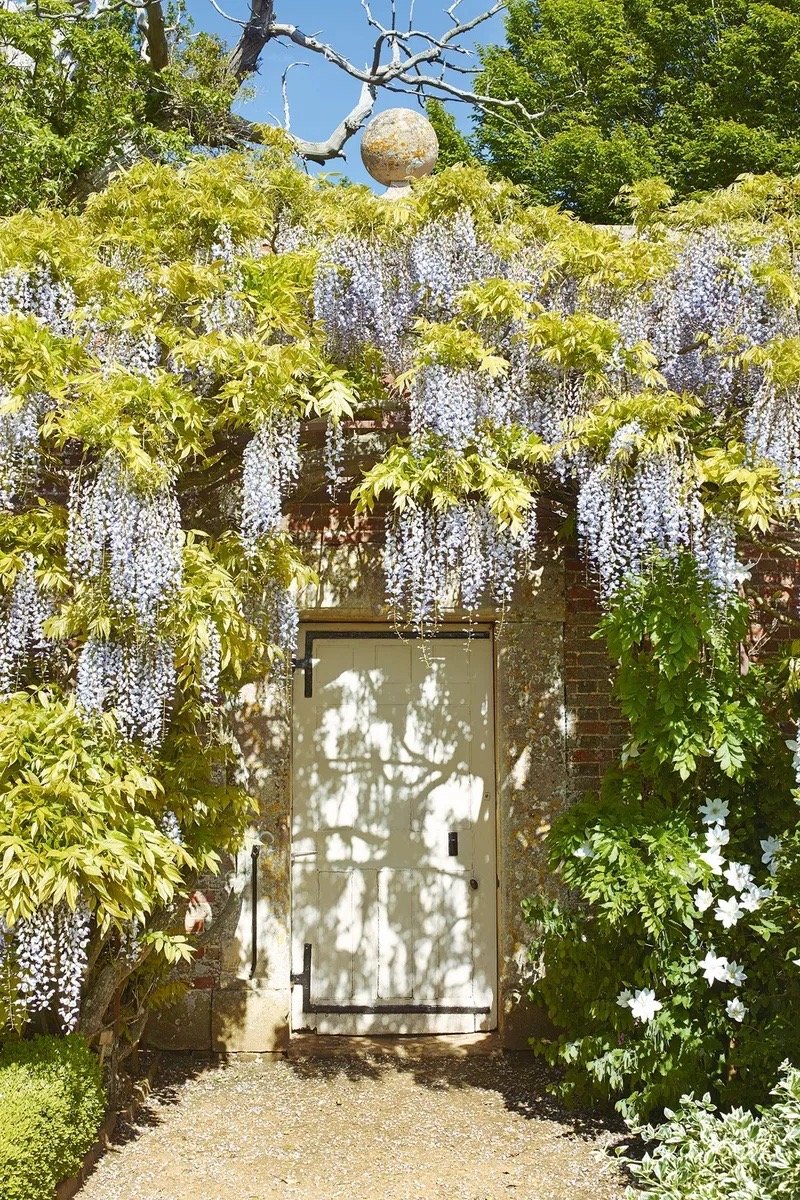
[393,844]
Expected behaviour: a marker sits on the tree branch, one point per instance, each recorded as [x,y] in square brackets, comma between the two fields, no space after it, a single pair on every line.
[243,60]
[150,22]
[240,131]
[331,147]
[408,61]
[287,115]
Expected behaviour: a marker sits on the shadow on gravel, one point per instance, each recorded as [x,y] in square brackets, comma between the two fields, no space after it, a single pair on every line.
[518,1077]
[169,1072]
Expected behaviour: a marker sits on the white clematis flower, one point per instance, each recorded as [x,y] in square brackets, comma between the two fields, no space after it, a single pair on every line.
[717,836]
[624,998]
[714,968]
[584,850]
[644,1005]
[714,860]
[728,912]
[739,876]
[715,812]
[703,899]
[736,1010]
[752,897]
[735,974]
[771,848]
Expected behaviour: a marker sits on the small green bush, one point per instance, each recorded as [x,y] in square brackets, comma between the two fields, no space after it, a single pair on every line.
[705,1155]
[51,1106]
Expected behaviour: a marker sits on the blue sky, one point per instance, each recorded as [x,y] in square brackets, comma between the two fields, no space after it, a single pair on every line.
[320,94]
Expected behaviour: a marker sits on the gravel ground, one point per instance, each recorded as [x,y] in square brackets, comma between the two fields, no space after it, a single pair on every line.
[357,1127]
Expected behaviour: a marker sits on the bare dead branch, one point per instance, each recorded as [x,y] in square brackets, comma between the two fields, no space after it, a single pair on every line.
[227,16]
[287,116]
[239,132]
[414,62]
[332,147]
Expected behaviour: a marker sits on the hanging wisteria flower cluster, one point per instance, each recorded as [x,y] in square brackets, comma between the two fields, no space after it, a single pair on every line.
[23,637]
[224,312]
[364,295]
[627,511]
[270,466]
[37,293]
[369,295]
[136,679]
[698,318]
[445,256]
[457,557]
[50,949]
[128,537]
[19,445]
[772,429]
[448,404]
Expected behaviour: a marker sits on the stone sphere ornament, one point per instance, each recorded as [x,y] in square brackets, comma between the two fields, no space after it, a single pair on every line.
[397,146]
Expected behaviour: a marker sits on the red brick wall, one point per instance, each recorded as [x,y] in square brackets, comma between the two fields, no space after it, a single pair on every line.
[595,729]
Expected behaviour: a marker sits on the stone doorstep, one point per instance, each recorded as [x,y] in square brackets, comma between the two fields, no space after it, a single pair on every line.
[427,1046]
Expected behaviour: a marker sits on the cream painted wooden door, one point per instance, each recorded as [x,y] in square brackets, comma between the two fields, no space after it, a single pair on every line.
[393,840]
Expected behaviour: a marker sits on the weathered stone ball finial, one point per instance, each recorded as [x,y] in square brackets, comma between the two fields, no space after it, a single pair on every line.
[397,146]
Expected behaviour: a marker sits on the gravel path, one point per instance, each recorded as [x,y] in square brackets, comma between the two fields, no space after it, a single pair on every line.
[357,1127]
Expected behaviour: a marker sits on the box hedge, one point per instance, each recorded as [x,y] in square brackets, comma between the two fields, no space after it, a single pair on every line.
[51,1107]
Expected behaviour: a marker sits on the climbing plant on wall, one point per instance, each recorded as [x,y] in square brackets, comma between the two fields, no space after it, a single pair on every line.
[159,356]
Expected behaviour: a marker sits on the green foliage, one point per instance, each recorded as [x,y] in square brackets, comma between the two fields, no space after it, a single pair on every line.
[78,99]
[78,818]
[633,861]
[84,808]
[454,146]
[695,93]
[679,682]
[707,1155]
[151,256]
[51,1107]
[440,477]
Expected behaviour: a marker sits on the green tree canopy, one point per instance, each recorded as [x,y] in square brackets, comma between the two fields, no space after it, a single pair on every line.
[699,92]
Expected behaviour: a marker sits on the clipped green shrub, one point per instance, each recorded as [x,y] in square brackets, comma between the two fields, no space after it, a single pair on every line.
[51,1107]
[702,1154]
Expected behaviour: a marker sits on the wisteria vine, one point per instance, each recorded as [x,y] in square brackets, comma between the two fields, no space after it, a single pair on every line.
[154,386]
